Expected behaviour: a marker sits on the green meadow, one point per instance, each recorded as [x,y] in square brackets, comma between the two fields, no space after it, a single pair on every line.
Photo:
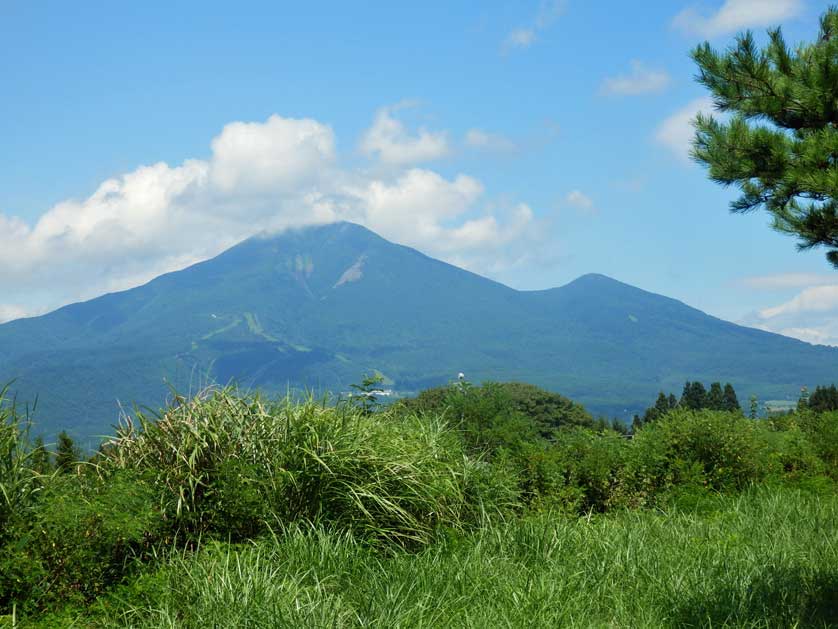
[494,506]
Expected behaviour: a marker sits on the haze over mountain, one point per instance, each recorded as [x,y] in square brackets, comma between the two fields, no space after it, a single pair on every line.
[320,306]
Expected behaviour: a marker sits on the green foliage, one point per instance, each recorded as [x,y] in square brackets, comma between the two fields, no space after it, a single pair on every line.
[66,453]
[592,465]
[730,402]
[366,397]
[467,471]
[486,412]
[39,458]
[763,559]
[233,465]
[694,396]
[18,482]
[80,538]
[824,399]
[779,144]
[822,432]
[712,448]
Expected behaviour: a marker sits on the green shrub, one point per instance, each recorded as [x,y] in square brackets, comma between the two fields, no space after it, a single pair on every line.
[822,431]
[476,409]
[593,462]
[85,532]
[716,449]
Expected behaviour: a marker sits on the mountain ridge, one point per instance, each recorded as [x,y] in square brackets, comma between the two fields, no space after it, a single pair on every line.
[319,306]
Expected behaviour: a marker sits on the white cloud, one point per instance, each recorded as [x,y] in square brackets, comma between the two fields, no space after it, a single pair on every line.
[580,201]
[390,141]
[677,131]
[260,176]
[280,153]
[735,15]
[811,315]
[525,36]
[483,140]
[641,80]
[811,300]
[787,280]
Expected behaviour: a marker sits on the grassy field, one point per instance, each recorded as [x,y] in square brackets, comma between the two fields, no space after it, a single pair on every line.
[766,558]
[232,511]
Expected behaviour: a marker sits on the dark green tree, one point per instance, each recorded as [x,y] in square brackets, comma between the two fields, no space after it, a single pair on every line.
[636,423]
[824,399]
[779,143]
[694,396]
[715,397]
[729,400]
[657,411]
[66,453]
[673,401]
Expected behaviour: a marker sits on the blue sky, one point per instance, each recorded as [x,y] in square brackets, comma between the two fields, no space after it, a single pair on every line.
[529,141]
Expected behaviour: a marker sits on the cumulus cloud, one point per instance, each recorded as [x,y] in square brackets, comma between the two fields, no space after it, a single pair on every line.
[391,142]
[279,154]
[640,80]
[811,315]
[260,176]
[677,131]
[735,15]
[525,36]
[492,142]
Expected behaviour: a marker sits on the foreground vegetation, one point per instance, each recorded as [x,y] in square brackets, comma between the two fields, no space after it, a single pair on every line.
[500,505]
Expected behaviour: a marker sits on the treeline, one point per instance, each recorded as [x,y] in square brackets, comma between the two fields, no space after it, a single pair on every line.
[823,400]
[232,467]
[694,397]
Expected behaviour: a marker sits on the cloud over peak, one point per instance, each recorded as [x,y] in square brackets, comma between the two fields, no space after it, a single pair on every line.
[260,176]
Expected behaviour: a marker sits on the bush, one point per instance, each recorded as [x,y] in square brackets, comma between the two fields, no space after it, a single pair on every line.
[717,449]
[593,463]
[475,408]
[822,431]
[82,536]
[231,466]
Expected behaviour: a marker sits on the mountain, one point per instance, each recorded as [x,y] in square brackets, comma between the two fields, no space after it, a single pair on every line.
[320,306]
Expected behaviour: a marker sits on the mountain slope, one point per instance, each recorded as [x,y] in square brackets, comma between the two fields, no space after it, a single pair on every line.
[319,306]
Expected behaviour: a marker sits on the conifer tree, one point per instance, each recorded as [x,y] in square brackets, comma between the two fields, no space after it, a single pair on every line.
[780,141]
[66,453]
[694,396]
[729,400]
[715,397]
[824,399]
[673,401]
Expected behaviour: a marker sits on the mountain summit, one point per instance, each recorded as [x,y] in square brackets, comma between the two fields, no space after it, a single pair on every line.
[318,307]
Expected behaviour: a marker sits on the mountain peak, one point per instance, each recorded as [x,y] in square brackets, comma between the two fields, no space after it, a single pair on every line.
[318,306]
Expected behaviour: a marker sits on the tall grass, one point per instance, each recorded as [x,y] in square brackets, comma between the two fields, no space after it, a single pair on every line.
[17,480]
[767,558]
[231,461]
